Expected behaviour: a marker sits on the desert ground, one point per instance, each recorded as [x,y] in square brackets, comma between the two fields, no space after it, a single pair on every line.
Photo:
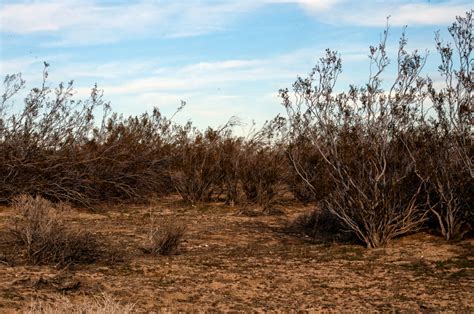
[237,259]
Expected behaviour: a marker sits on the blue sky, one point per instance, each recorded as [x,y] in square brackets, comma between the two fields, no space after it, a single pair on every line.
[222,57]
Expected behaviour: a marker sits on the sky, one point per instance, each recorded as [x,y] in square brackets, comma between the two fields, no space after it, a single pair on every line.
[223,57]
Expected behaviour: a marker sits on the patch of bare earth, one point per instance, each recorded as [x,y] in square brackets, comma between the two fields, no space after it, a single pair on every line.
[236,262]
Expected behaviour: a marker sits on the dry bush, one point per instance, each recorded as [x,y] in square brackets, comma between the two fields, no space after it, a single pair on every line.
[132,159]
[43,236]
[195,171]
[253,167]
[230,165]
[450,189]
[260,174]
[56,148]
[392,156]
[165,237]
[262,166]
[308,161]
[448,169]
[104,304]
[361,137]
[322,225]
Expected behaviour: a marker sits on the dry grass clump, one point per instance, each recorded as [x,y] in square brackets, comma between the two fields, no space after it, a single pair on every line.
[164,237]
[104,304]
[44,237]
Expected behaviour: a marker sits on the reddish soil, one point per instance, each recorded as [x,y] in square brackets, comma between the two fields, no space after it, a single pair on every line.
[233,261]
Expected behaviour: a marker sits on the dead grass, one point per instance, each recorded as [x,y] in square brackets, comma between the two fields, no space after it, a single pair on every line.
[165,237]
[103,304]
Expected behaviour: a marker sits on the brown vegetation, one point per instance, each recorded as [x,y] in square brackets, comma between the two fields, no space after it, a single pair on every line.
[104,304]
[377,162]
[165,237]
[382,161]
[376,143]
[43,237]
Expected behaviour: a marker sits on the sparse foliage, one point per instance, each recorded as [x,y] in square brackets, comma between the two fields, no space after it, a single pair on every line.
[196,168]
[56,148]
[43,236]
[361,135]
[261,172]
[447,168]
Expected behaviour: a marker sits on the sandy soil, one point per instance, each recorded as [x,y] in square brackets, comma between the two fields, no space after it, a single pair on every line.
[231,261]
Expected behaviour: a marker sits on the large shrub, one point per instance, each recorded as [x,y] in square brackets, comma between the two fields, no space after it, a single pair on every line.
[447,168]
[374,141]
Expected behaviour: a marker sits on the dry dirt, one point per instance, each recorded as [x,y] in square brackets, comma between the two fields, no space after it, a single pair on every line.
[232,261]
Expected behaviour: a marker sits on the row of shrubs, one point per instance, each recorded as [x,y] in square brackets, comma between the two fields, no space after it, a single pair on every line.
[382,161]
[57,147]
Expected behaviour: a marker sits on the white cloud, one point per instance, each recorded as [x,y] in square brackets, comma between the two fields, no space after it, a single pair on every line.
[76,22]
[15,65]
[33,17]
[426,14]
[311,5]
[401,12]
[214,90]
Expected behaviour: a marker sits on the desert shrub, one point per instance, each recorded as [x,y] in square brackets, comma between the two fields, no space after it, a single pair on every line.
[446,165]
[230,165]
[195,171]
[43,236]
[302,156]
[392,156]
[260,172]
[103,304]
[56,148]
[450,188]
[165,237]
[361,137]
[322,225]
[132,160]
